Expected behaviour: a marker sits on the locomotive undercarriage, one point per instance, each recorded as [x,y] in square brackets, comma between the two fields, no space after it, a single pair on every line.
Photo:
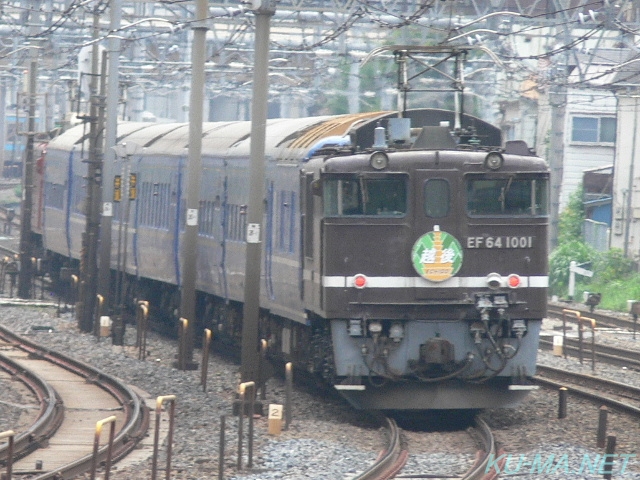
[486,356]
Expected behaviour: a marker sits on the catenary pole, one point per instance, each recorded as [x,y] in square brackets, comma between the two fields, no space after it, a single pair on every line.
[110,135]
[89,254]
[190,237]
[263,10]
[26,243]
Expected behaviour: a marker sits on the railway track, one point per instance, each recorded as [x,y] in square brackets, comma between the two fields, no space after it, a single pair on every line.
[392,458]
[618,395]
[481,467]
[602,319]
[72,397]
[604,353]
[606,392]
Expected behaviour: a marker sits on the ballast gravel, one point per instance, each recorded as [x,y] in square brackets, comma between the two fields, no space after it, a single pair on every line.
[327,439]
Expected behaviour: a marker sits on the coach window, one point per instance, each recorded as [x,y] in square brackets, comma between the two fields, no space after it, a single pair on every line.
[436,198]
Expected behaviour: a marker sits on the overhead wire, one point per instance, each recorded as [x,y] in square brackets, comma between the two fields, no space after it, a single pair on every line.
[404,20]
[361,10]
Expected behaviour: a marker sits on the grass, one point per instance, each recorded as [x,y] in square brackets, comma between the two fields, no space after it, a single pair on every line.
[615,294]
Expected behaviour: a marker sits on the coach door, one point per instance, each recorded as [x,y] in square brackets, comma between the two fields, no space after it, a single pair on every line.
[437,224]
[306,272]
[438,194]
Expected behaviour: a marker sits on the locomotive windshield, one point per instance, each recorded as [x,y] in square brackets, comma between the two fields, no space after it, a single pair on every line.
[507,196]
[357,195]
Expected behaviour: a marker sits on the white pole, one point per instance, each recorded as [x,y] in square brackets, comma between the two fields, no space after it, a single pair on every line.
[572,279]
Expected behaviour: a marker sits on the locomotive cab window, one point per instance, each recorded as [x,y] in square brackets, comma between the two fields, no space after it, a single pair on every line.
[511,196]
[365,196]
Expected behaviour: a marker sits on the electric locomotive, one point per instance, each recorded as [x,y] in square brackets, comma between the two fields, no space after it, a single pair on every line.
[404,261]
[433,265]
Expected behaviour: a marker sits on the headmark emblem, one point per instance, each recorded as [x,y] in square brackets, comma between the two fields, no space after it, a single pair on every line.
[437,256]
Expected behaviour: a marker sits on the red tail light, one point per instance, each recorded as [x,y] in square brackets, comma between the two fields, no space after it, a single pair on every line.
[360,281]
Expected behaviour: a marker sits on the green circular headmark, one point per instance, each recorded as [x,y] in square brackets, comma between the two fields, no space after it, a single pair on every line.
[437,256]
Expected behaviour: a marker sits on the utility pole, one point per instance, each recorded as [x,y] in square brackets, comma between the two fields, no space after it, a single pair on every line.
[558,103]
[190,237]
[26,242]
[263,10]
[111,129]
[89,255]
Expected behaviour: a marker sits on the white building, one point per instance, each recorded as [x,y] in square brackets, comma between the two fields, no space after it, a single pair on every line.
[625,232]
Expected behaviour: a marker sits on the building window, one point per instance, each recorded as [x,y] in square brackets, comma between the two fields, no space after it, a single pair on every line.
[593,129]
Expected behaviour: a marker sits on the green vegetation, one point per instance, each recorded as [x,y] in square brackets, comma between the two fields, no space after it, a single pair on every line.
[615,276]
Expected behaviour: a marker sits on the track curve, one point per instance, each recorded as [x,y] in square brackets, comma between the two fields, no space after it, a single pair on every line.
[391,460]
[601,390]
[88,396]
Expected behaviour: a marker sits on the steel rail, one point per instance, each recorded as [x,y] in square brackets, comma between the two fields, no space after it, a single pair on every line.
[605,353]
[601,319]
[136,413]
[479,469]
[392,458]
[49,417]
[629,390]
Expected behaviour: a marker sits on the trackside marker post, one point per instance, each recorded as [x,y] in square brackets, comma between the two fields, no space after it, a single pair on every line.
[609,455]
[602,427]
[9,434]
[242,391]
[288,394]
[96,443]
[275,419]
[562,402]
[223,422]
[142,319]
[206,342]
[557,345]
[156,436]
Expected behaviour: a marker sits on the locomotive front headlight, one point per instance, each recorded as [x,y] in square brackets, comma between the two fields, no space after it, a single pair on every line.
[375,327]
[494,280]
[493,160]
[355,327]
[396,332]
[379,160]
